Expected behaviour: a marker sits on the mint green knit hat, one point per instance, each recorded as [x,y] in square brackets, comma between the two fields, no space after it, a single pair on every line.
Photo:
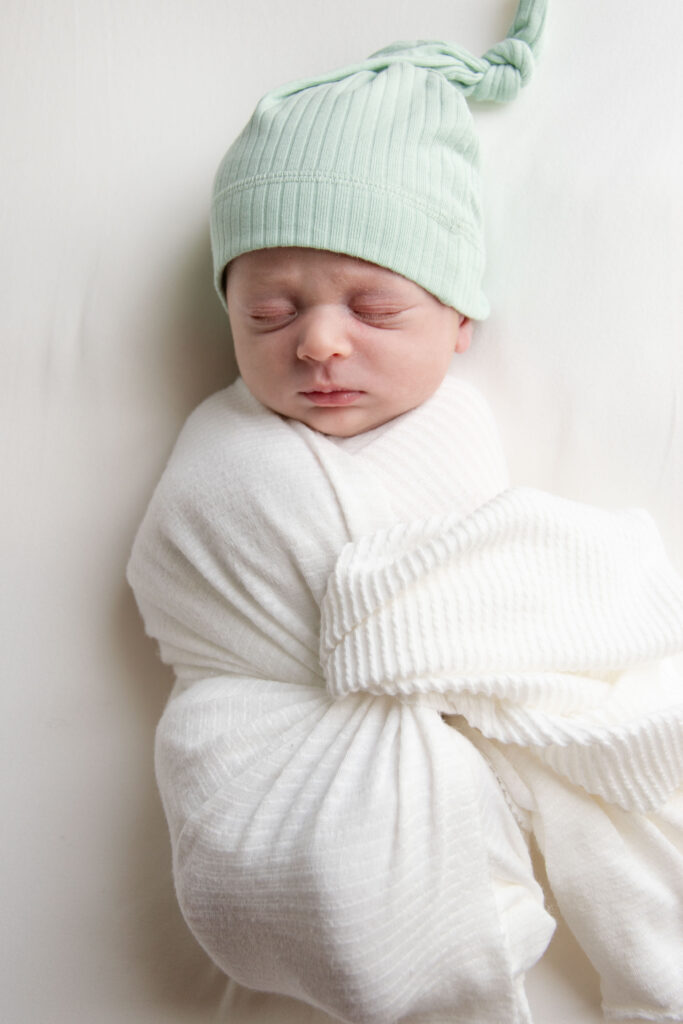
[377,160]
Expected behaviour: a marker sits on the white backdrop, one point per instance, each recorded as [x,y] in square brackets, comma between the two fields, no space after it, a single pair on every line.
[115,114]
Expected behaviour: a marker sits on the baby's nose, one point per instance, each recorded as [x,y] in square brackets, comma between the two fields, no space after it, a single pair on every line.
[322,335]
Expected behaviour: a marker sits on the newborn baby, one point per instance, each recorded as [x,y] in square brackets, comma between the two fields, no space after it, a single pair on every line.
[393,670]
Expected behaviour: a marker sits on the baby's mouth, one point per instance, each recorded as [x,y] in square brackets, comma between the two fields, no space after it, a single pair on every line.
[332,396]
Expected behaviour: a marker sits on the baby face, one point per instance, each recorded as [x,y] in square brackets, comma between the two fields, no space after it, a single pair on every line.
[334,342]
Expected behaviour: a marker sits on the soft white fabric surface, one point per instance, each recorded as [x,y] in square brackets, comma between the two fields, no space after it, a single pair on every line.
[114,118]
[334,850]
[346,849]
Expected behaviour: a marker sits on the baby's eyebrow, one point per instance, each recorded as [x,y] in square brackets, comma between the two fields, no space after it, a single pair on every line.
[392,295]
[264,296]
[376,291]
[279,283]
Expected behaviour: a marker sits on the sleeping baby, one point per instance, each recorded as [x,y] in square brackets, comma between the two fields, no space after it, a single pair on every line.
[396,674]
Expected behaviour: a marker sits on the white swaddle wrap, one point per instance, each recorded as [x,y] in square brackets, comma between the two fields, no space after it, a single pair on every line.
[326,605]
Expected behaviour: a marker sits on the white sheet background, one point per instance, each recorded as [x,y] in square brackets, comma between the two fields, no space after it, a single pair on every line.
[114,117]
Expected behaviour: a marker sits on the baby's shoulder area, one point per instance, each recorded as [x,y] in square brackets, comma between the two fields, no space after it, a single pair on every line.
[229,445]
[218,427]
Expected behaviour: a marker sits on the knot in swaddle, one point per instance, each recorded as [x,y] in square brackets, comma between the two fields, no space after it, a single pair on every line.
[537,619]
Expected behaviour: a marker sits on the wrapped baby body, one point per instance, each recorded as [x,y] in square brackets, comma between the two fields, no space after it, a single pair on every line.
[390,667]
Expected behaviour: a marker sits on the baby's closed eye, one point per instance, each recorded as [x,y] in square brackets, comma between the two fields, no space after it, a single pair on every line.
[272,316]
[378,315]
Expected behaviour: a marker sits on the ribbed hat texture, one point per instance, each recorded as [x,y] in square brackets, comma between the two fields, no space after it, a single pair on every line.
[378,160]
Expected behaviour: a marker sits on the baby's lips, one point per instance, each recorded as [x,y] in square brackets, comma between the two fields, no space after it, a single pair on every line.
[332,397]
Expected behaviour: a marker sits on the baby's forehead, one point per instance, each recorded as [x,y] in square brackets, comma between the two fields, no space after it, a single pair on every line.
[296,265]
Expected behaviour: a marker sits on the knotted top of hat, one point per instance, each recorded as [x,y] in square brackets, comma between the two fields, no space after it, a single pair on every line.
[495,77]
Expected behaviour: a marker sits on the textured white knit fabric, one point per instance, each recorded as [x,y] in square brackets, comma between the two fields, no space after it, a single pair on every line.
[334,840]
[532,618]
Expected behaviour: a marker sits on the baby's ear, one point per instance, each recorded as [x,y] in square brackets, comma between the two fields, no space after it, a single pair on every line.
[463,338]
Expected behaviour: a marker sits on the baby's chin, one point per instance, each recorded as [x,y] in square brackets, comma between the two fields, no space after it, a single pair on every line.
[346,423]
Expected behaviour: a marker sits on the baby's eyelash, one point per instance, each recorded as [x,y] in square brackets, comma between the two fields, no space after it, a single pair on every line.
[377,314]
[270,317]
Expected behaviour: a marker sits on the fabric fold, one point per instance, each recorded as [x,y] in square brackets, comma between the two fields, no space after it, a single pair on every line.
[545,623]
[550,634]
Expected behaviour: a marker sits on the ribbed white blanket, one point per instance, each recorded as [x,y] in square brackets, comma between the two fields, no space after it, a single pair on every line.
[390,667]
